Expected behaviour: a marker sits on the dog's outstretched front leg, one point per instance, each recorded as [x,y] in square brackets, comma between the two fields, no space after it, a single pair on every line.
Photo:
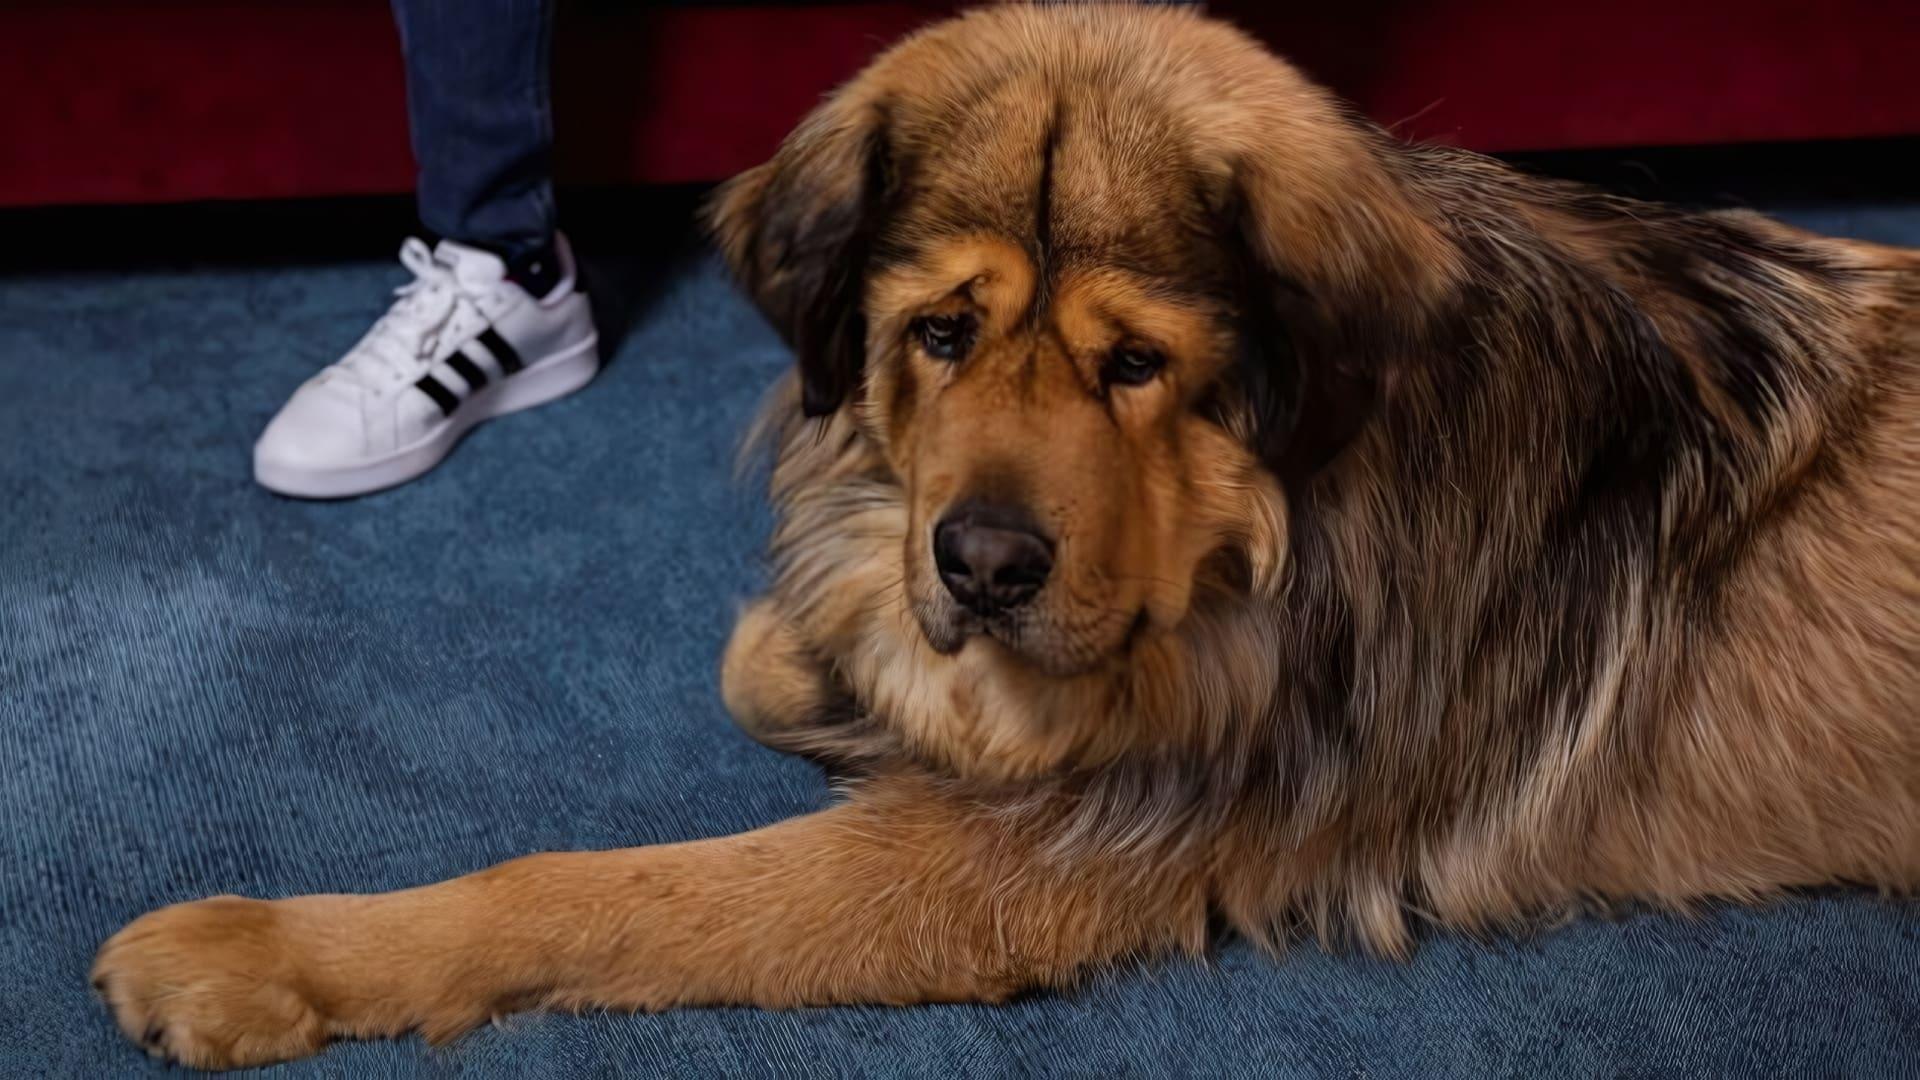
[906,893]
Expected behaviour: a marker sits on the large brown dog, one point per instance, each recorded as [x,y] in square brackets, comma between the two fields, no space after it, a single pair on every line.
[1194,501]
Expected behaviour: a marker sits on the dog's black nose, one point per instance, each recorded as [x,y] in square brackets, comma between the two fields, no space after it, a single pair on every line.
[991,558]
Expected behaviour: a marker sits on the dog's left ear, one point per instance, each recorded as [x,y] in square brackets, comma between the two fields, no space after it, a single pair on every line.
[798,233]
[1336,271]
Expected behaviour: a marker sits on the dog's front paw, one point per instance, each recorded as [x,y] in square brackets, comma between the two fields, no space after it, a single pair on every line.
[215,984]
[769,680]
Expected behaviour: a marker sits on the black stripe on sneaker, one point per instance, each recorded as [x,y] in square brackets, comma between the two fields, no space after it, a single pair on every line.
[441,396]
[503,352]
[467,370]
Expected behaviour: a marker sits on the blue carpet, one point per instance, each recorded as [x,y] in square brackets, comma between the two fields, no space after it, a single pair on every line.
[204,688]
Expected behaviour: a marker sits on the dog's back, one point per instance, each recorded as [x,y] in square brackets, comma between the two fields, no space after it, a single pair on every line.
[1792,756]
[1680,634]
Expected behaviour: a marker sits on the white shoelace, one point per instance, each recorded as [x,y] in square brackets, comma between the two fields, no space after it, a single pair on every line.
[432,308]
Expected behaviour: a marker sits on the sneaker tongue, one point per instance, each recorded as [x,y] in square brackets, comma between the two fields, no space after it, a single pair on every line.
[473,268]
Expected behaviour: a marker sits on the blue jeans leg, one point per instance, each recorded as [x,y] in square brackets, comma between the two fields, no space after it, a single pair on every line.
[478,104]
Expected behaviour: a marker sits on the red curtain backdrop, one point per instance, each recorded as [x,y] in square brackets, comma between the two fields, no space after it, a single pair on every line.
[163,101]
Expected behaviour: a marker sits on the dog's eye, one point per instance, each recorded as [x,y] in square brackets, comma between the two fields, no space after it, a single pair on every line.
[944,337]
[1133,365]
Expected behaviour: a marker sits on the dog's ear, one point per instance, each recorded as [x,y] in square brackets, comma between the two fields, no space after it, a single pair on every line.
[798,233]
[1335,272]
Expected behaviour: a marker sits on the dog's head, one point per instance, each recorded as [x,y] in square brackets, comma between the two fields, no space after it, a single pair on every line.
[1099,283]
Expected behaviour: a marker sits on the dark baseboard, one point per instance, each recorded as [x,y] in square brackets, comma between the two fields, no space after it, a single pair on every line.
[1748,174]
[620,220]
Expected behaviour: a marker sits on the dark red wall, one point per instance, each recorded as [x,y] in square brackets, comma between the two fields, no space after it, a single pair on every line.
[158,100]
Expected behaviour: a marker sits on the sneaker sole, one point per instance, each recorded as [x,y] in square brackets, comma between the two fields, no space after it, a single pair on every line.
[550,379]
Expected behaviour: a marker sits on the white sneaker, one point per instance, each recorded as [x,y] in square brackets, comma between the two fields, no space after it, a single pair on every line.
[462,344]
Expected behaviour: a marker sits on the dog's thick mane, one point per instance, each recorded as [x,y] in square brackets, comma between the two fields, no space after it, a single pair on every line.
[1503,589]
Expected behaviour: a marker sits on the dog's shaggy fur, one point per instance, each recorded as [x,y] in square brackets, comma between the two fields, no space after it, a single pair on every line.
[1474,548]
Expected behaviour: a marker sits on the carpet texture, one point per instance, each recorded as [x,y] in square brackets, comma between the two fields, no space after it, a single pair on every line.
[205,689]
